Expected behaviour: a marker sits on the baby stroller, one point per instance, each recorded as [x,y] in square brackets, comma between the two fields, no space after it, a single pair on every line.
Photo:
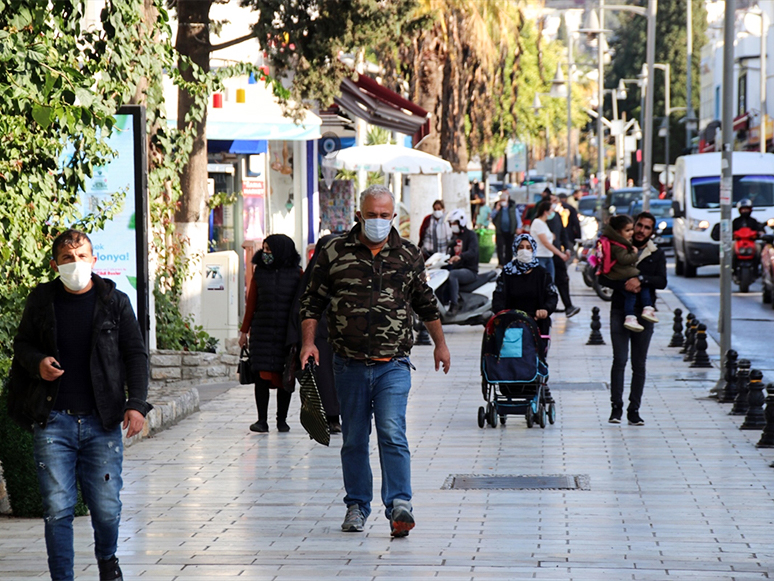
[514,372]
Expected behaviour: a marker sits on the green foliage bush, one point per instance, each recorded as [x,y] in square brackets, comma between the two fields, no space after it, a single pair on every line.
[16,456]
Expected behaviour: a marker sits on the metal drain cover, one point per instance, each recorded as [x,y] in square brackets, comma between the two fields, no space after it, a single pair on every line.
[516,482]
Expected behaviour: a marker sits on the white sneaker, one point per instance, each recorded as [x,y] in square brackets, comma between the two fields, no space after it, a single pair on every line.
[630,322]
[649,314]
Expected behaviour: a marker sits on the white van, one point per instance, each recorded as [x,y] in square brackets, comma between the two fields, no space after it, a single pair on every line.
[696,203]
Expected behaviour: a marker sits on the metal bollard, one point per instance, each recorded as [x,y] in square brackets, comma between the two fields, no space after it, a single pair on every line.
[700,357]
[754,420]
[690,317]
[691,350]
[596,337]
[728,393]
[742,378]
[677,327]
[767,437]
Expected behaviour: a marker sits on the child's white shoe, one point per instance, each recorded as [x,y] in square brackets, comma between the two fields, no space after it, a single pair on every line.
[630,322]
[649,314]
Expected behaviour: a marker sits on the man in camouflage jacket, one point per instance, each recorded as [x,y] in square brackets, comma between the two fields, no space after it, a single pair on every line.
[373,281]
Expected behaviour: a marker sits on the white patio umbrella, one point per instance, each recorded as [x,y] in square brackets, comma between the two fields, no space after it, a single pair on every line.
[387,159]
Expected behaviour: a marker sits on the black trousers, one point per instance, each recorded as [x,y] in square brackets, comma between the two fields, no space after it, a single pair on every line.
[504,243]
[562,281]
[262,389]
[640,342]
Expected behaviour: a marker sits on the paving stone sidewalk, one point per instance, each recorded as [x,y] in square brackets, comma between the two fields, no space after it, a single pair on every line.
[687,496]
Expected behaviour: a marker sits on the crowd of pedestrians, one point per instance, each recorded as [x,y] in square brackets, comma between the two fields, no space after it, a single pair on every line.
[351,312]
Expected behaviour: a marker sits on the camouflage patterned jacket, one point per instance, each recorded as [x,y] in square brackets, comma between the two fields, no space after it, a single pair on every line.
[371,298]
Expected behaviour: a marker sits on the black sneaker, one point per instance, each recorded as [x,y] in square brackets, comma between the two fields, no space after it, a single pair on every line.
[282,426]
[634,418]
[615,416]
[109,570]
[572,311]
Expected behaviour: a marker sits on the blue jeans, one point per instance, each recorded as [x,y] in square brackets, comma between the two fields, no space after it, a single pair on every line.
[79,447]
[457,277]
[630,300]
[621,337]
[378,389]
[547,262]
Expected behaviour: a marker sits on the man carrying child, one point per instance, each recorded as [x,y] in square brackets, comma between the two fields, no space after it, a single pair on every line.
[651,264]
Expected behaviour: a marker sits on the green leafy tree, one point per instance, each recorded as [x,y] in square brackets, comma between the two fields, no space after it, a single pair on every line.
[628,43]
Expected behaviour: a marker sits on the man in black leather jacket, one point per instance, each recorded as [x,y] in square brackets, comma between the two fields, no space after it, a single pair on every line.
[77,347]
[653,274]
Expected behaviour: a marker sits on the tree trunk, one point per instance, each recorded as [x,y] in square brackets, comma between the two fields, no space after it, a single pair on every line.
[427,84]
[193,40]
[456,80]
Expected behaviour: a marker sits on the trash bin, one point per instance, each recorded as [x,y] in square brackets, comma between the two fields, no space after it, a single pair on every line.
[486,244]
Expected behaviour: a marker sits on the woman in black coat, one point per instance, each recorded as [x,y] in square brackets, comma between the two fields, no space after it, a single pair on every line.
[275,281]
[525,285]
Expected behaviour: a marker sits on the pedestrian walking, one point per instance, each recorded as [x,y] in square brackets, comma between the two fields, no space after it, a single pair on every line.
[564,242]
[545,238]
[619,232]
[435,232]
[507,223]
[525,285]
[276,278]
[77,349]
[653,275]
[373,281]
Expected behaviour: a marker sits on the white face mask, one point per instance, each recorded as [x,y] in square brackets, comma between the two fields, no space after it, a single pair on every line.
[455,229]
[75,275]
[524,255]
[437,214]
[376,229]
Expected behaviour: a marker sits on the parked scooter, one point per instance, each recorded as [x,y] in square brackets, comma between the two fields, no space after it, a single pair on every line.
[476,297]
[589,272]
[746,258]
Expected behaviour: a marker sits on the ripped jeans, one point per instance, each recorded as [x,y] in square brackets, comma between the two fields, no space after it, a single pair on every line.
[71,447]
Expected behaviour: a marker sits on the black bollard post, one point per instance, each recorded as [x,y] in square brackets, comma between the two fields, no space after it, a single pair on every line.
[754,420]
[596,337]
[767,437]
[742,378]
[677,327]
[700,357]
[423,337]
[690,317]
[691,351]
[728,393]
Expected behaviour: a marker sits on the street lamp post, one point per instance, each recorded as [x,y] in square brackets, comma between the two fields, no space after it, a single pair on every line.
[647,158]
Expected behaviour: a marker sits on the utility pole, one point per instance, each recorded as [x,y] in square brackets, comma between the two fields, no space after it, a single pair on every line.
[688,73]
[726,184]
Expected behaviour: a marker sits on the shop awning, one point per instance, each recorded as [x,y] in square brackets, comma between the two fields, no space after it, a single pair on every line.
[378,105]
[742,122]
[259,118]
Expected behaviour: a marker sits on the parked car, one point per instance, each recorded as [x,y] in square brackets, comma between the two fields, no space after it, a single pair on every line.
[662,211]
[618,201]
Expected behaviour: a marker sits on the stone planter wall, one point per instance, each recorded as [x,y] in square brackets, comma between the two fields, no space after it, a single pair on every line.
[187,368]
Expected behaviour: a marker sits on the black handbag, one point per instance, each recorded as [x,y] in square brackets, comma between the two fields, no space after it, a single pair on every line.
[245,368]
[313,416]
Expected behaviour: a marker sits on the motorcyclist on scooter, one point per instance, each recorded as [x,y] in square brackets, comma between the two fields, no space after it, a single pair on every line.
[463,261]
[745,219]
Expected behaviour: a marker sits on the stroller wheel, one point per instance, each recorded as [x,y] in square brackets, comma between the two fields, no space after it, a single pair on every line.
[502,420]
[481,416]
[530,418]
[492,416]
[542,416]
[551,413]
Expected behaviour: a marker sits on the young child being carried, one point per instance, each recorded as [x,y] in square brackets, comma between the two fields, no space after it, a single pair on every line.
[624,256]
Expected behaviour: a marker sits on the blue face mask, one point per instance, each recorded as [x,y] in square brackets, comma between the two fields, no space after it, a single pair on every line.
[376,229]
[551,216]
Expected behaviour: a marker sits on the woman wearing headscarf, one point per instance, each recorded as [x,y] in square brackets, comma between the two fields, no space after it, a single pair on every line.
[275,281]
[525,285]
